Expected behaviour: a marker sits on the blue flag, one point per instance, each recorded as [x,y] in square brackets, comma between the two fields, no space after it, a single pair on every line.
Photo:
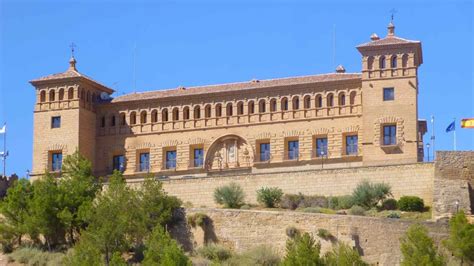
[451,127]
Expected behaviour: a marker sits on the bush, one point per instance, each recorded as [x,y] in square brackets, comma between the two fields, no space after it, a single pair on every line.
[198,219]
[389,204]
[245,207]
[313,201]
[368,194]
[302,250]
[340,202]
[411,203]
[291,201]
[269,196]
[34,256]
[394,215]
[161,249]
[292,231]
[260,255]
[357,210]
[343,255]
[231,196]
[324,234]
[215,252]
[311,210]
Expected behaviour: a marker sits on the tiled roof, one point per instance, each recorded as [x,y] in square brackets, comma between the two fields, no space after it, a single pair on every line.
[241,86]
[389,40]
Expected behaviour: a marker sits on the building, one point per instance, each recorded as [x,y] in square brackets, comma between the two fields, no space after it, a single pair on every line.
[329,120]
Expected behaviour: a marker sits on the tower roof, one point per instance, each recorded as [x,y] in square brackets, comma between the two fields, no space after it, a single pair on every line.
[70,73]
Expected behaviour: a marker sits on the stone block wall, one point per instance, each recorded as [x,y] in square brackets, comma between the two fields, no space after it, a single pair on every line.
[408,179]
[377,239]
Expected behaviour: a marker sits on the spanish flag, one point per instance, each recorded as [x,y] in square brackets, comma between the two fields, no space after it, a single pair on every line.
[467,123]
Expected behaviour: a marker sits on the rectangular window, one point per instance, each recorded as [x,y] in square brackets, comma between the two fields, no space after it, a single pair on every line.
[119,163]
[388,94]
[321,147]
[351,145]
[293,150]
[264,152]
[144,165]
[56,161]
[170,160]
[55,122]
[198,157]
[390,135]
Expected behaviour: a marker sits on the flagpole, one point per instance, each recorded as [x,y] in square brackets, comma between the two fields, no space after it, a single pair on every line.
[5,152]
[454,134]
[433,136]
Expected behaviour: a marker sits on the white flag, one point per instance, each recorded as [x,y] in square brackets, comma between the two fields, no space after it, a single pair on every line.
[3,129]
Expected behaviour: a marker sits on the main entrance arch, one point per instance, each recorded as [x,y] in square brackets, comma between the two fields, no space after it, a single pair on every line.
[229,151]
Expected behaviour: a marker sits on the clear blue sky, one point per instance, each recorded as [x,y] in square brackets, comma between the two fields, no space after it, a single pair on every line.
[188,43]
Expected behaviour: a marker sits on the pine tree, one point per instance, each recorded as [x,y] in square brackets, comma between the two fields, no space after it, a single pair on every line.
[418,248]
[343,255]
[461,238]
[161,249]
[302,250]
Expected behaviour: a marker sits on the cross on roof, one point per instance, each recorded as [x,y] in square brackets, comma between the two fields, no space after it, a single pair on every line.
[72,45]
[393,11]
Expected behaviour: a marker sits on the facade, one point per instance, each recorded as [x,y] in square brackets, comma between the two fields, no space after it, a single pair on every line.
[329,120]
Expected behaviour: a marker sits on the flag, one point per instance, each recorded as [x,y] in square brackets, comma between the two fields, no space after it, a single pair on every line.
[3,129]
[467,123]
[451,127]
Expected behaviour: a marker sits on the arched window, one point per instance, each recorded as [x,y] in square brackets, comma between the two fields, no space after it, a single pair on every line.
[83,95]
[370,62]
[42,96]
[342,99]
[133,118]
[273,105]
[143,117]
[393,63]
[61,94]
[307,102]
[330,100]
[70,93]
[164,115]
[175,114]
[197,112]
[405,60]
[319,101]
[88,97]
[382,62]
[218,110]
[112,121]
[52,95]
[240,108]
[154,116]
[228,110]
[284,104]
[102,121]
[94,97]
[352,97]
[123,121]
[207,111]
[186,113]
[296,103]
[251,107]
[262,106]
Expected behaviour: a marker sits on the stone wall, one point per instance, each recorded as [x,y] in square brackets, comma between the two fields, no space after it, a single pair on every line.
[408,179]
[377,239]
[454,182]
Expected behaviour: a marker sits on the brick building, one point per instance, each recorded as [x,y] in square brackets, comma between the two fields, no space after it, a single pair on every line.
[330,120]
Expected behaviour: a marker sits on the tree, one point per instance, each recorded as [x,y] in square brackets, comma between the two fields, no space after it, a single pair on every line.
[161,249]
[418,248]
[77,190]
[343,255]
[302,250]
[15,212]
[461,238]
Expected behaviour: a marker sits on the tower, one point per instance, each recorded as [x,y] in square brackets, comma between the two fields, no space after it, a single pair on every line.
[390,107]
[64,118]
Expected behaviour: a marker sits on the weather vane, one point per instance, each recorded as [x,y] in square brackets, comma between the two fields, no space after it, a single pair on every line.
[393,11]
[72,48]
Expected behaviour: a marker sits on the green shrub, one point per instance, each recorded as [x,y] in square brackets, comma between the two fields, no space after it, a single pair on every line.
[291,201]
[34,256]
[245,207]
[231,196]
[389,204]
[343,255]
[269,196]
[292,231]
[411,203]
[302,250]
[161,249]
[198,219]
[357,210]
[341,202]
[324,234]
[368,194]
[394,215]
[260,255]
[311,210]
[313,201]
[215,252]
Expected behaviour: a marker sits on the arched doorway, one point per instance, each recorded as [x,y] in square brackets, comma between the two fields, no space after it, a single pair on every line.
[229,152]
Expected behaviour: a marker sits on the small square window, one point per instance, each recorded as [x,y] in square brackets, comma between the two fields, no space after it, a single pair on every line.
[55,122]
[388,94]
